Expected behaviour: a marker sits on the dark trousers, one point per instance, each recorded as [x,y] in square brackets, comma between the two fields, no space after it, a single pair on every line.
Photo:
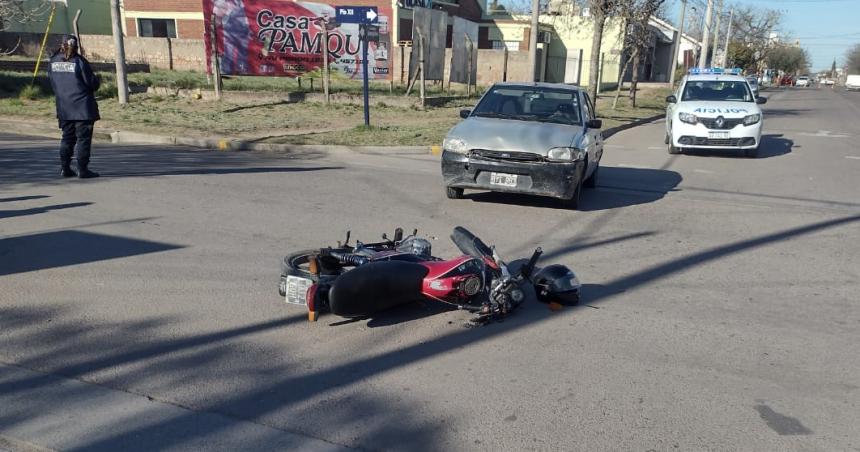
[77,139]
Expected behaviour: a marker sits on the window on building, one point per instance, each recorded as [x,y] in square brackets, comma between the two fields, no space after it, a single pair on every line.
[156,28]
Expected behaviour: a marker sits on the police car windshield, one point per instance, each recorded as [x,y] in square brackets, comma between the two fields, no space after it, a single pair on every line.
[717,90]
[529,103]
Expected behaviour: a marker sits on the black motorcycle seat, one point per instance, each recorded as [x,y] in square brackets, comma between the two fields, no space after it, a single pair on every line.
[376,286]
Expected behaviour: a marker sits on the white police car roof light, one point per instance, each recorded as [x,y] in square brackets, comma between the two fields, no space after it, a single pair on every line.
[715,71]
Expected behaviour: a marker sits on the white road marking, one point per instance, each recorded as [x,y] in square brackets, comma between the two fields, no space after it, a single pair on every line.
[624,165]
[703,171]
[824,134]
[614,146]
[656,148]
[852,157]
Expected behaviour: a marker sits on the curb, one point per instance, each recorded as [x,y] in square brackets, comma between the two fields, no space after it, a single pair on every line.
[613,130]
[229,144]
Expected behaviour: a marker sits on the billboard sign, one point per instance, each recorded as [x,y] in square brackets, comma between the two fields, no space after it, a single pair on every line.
[285,38]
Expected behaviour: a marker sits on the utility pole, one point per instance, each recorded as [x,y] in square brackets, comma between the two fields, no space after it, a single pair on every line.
[533,39]
[119,46]
[728,37]
[706,35]
[717,34]
[677,45]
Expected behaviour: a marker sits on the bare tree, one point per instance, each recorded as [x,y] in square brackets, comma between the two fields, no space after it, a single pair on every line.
[756,29]
[852,59]
[639,36]
[22,11]
[600,10]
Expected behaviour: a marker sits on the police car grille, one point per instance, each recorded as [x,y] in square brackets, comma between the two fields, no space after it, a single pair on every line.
[702,141]
[507,156]
[711,123]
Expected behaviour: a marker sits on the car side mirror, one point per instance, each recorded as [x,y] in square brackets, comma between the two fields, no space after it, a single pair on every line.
[465,113]
[594,123]
[761,100]
[671,99]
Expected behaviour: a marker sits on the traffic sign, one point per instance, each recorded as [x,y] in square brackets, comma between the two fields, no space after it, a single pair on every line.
[357,14]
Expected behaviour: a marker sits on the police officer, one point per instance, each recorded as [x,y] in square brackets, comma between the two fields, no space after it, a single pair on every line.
[74,85]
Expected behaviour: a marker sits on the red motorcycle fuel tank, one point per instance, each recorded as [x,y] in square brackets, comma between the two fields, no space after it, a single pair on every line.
[454,281]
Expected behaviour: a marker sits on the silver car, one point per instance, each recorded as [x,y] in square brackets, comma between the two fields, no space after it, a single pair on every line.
[753,82]
[534,138]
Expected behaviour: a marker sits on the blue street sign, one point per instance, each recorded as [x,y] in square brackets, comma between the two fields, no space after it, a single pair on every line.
[356,14]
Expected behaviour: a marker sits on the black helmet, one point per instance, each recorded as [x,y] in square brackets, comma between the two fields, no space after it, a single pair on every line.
[557,283]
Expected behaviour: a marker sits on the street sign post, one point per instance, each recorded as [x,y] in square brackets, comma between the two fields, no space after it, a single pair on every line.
[357,14]
[366,17]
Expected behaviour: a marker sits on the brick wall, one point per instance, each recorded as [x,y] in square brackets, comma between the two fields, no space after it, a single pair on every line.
[190,6]
[491,66]
[163,53]
[130,27]
[189,29]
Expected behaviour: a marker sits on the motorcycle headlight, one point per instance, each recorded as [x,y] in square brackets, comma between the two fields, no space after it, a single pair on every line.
[752,119]
[689,118]
[565,154]
[454,145]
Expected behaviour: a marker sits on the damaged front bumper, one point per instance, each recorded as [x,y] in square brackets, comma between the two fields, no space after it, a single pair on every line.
[537,177]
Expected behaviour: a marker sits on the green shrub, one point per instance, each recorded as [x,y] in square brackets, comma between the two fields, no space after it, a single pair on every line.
[30,92]
[107,90]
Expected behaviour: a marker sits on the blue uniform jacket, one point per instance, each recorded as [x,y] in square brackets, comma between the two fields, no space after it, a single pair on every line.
[74,85]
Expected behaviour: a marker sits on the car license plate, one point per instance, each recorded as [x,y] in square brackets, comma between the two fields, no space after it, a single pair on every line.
[505,180]
[297,289]
[718,135]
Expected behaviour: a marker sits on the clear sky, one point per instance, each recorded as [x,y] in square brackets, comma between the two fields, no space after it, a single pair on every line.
[825,28]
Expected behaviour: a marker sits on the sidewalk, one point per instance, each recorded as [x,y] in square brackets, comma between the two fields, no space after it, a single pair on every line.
[41,128]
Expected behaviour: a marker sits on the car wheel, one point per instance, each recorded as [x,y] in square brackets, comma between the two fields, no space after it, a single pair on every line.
[454,192]
[572,203]
[666,139]
[751,153]
[672,148]
[591,182]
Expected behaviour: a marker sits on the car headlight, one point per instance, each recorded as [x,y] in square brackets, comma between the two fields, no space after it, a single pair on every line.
[454,145]
[752,119]
[689,118]
[565,154]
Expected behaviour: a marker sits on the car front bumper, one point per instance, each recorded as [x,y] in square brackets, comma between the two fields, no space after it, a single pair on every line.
[553,179]
[697,136]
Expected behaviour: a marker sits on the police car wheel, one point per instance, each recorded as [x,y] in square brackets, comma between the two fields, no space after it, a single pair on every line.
[672,148]
[666,140]
[751,153]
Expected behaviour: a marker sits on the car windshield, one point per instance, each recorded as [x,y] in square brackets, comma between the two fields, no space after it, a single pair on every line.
[717,90]
[529,103]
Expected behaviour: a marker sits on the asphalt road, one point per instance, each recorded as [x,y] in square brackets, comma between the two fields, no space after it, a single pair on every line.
[139,311]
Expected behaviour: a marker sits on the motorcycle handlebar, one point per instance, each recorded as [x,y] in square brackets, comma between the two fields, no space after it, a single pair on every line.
[530,266]
[349,258]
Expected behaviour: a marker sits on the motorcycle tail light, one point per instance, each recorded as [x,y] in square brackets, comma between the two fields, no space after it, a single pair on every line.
[313,265]
[471,285]
[310,297]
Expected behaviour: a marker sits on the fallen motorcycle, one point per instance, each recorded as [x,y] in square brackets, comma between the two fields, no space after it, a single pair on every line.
[361,280]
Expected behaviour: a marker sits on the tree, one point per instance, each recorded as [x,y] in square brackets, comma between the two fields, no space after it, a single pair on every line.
[22,11]
[755,28]
[637,36]
[852,59]
[833,70]
[789,59]
[742,56]
[600,10]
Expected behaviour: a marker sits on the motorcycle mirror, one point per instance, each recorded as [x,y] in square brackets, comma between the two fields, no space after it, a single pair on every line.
[346,242]
[530,266]
[415,232]
[398,234]
[384,236]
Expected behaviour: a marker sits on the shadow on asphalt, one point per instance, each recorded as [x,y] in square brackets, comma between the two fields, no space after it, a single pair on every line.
[152,358]
[38,210]
[616,187]
[64,248]
[772,145]
[39,163]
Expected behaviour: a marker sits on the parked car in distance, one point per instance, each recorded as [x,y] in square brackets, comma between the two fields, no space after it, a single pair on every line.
[802,81]
[852,83]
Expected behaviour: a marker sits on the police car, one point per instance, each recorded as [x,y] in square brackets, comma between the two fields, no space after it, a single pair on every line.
[714,109]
